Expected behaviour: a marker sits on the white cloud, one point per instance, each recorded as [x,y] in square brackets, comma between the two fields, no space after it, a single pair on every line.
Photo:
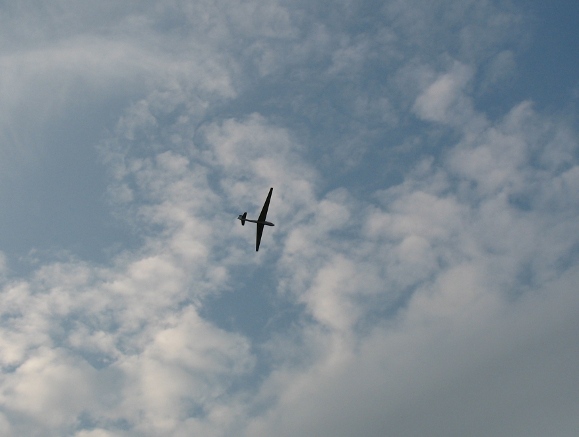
[441,376]
[479,266]
[442,305]
[50,387]
[446,94]
[468,341]
[113,347]
[182,373]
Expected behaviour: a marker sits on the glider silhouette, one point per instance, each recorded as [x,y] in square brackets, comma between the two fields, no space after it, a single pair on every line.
[261,222]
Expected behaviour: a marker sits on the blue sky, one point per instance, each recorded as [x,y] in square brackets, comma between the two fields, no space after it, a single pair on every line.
[422,275]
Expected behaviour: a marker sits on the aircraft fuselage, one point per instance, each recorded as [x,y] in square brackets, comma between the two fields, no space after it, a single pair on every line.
[259,222]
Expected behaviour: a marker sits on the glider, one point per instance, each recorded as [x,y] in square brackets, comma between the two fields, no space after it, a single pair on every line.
[261,222]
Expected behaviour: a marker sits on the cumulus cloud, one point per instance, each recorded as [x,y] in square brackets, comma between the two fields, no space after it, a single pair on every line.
[483,292]
[443,303]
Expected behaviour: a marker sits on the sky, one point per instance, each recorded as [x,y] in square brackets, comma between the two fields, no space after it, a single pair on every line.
[421,277]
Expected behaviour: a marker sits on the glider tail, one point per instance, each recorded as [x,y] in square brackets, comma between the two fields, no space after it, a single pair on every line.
[242,218]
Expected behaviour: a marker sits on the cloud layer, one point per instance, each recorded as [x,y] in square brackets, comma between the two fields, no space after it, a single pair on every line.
[421,276]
